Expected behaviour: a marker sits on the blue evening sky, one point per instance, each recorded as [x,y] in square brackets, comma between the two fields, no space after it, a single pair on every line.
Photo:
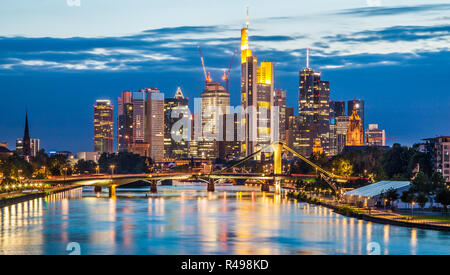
[58,57]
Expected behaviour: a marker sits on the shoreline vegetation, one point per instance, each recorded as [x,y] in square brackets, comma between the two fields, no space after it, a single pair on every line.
[441,223]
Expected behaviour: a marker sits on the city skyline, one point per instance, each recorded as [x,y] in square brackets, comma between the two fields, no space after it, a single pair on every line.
[56,70]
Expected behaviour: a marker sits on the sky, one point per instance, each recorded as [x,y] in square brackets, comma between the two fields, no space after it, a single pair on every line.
[58,56]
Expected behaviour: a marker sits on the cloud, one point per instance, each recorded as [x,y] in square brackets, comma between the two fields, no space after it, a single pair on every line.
[383,11]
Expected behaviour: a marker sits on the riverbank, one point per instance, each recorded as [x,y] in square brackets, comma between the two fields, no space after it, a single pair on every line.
[23,197]
[376,216]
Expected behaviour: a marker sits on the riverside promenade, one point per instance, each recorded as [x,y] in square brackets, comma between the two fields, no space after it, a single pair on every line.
[12,198]
[374,215]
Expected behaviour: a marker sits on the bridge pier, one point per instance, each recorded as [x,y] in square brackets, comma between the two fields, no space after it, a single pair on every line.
[211,187]
[265,187]
[277,186]
[112,191]
[154,186]
[97,189]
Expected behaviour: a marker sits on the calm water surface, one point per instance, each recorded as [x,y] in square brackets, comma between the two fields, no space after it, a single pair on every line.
[189,220]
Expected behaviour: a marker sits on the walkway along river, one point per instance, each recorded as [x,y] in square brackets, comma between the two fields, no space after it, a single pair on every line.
[189,220]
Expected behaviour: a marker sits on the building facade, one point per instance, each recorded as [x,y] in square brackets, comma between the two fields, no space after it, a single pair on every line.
[176,141]
[342,123]
[359,105]
[375,136]
[215,103]
[103,127]
[125,122]
[154,123]
[354,132]
[280,102]
[314,111]
[439,148]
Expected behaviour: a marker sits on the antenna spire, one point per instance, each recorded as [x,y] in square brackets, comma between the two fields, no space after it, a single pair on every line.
[247,22]
[307,57]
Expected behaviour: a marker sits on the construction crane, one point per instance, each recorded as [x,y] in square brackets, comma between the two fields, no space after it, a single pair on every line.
[226,75]
[207,74]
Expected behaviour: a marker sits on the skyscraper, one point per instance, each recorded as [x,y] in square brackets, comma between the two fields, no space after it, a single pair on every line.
[314,110]
[125,122]
[139,146]
[338,108]
[264,104]
[257,91]
[175,142]
[359,106]
[154,123]
[280,102]
[342,123]
[103,126]
[215,103]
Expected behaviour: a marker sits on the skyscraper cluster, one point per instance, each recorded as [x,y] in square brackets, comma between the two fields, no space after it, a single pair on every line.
[151,125]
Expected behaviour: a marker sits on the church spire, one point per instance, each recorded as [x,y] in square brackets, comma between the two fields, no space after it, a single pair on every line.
[26,137]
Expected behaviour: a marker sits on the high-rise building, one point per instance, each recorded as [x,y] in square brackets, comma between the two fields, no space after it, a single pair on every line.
[215,103]
[125,122]
[314,110]
[280,102]
[103,126]
[264,104]
[375,136]
[230,144]
[338,108]
[175,141]
[354,132]
[154,123]
[359,106]
[257,92]
[139,146]
[439,148]
[342,123]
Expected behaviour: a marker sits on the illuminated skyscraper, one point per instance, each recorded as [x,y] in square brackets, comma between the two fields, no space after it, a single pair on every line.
[175,142]
[342,123]
[314,110]
[257,92]
[139,146]
[154,123]
[125,122]
[215,103]
[103,127]
[280,102]
[338,108]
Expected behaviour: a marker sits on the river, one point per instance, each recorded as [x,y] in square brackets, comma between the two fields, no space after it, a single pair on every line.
[189,220]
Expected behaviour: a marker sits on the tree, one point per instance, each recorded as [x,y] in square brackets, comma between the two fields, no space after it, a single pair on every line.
[408,197]
[391,196]
[83,166]
[422,199]
[443,197]
[343,167]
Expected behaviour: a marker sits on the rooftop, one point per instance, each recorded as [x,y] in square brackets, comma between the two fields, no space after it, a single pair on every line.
[377,188]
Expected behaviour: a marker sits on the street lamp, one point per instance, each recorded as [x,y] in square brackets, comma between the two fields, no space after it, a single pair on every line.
[112,169]
[97,169]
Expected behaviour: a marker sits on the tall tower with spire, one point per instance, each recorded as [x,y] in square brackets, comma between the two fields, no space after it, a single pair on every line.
[314,109]
[26,138]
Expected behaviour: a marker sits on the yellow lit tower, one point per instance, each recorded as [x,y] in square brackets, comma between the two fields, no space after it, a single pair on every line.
[257,89]
[248,92]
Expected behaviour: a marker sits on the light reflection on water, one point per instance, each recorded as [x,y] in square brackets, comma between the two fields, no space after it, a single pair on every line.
[189,220]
